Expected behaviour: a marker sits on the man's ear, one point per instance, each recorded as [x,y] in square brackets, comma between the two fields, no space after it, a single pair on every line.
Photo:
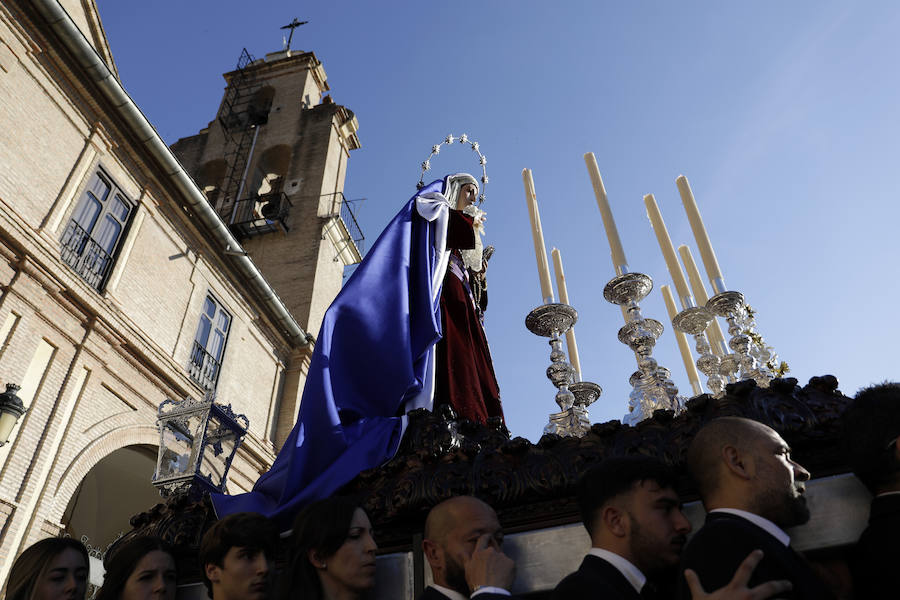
[737,462]
[434,554]
[614,520]
[213,572]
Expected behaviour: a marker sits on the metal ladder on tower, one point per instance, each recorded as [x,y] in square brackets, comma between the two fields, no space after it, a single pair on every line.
[239,125]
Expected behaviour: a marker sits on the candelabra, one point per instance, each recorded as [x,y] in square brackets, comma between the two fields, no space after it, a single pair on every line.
[693,321]
[731,306]
[652,388]
[552,321]
[765,354]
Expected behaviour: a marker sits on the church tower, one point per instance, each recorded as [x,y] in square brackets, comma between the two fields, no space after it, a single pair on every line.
[272,164]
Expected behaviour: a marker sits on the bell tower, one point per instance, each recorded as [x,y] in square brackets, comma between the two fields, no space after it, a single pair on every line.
[273,164]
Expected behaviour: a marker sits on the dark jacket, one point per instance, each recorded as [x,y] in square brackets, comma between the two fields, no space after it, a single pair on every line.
[595,578]
[873,562]
[725,540]
[432,594]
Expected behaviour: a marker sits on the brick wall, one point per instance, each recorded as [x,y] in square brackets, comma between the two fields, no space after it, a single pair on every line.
[98,363]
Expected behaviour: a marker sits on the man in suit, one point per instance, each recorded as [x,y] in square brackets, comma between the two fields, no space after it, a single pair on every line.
[632,512]
[872,432]
[752,491]
[463,544]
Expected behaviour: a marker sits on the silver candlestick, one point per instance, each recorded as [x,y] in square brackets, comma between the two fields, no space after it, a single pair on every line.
[729,366]
[586,392]
[552,321]
[694,321]
[730,305]
[765,354]
[652,388]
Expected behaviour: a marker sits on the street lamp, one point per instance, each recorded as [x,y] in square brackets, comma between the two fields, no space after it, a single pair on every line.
[197,442]
[11,408]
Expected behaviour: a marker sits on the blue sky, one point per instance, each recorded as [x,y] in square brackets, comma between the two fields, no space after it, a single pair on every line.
[785,117]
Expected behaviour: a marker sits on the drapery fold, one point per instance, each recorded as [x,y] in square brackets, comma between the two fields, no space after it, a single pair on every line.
[373,361]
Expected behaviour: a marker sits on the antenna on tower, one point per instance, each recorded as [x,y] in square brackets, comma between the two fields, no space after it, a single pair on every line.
[292,26]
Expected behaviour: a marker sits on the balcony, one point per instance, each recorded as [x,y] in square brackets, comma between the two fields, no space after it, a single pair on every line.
[204,368]
[260,215]
[342,228]
[85,256]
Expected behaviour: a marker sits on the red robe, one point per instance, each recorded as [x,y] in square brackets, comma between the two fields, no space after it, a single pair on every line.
[464,377]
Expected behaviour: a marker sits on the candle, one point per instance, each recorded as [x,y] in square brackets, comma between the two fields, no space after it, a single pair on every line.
[612,234]
[564,298]
[716,339]
[668,250]
[689,366]
[540,251]
[699,229]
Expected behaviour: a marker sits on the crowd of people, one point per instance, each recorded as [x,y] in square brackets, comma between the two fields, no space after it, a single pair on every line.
[750,486]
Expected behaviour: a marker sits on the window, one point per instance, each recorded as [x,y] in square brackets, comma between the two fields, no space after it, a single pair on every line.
[93,234]
[209,344]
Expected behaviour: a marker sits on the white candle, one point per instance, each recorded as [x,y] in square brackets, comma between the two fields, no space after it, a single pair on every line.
[699,229]
[689,366]
[564,298]
[668,251]
[716,339]
[612,234]
[537,234]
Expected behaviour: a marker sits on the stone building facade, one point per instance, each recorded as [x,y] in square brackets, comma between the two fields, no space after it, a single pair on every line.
[121,286]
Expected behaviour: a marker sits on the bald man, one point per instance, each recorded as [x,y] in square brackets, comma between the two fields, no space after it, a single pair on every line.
[752,490]
[463,541]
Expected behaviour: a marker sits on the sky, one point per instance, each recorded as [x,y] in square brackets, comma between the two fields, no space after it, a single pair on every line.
[785,118]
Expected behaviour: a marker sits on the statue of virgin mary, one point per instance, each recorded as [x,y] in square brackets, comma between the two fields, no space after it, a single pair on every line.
[405,332]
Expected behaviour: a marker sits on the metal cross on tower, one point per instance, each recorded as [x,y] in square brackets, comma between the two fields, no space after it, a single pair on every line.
[292,26]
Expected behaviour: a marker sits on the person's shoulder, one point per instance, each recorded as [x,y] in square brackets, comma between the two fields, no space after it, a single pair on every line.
[429,593]
[595,577]
[727,528]
[724,540]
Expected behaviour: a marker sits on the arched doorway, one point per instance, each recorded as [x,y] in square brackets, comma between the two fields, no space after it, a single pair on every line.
[115,489]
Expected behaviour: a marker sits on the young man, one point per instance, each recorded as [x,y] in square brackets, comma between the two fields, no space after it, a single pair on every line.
[872,432]
[632,512]
[633,515]
[752,491]
[463,541]
[235,555]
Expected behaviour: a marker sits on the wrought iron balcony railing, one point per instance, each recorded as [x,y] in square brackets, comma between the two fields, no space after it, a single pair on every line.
[260,214]
[345,209]
[85,256]
[204,368]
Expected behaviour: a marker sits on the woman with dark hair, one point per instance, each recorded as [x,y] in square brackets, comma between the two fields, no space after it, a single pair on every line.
[332,553]
[142,568]
[50,569]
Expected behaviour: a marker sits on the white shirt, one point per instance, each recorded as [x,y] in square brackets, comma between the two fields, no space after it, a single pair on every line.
[761,522]
[454,595]
[625,567]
